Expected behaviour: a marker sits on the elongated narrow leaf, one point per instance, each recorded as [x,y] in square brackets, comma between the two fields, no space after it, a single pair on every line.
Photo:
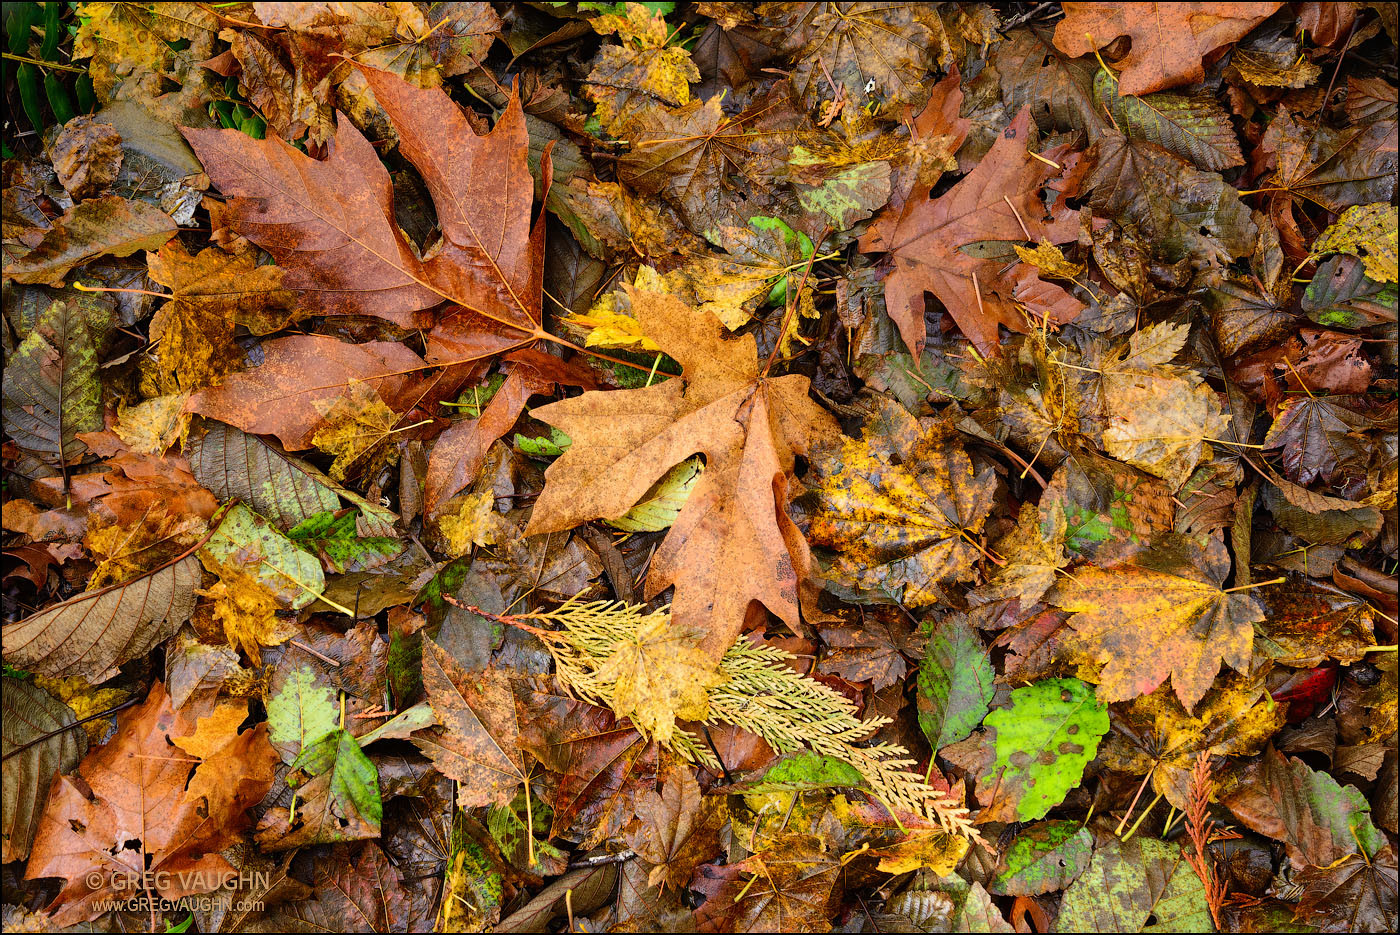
[30,713]
[89,634]
[955,684]
[51,387]
[234,464]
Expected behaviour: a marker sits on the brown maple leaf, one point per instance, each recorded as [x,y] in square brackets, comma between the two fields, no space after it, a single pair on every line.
[331,224]
[138,789]
[998,200]
[732,543]
[1169,39]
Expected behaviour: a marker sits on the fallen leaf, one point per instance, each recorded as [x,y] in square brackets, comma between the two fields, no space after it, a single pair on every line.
[748,427]
[1169,39]
[90,634]
[998,200]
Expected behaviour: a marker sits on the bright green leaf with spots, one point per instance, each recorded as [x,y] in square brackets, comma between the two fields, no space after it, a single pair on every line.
[1043,742]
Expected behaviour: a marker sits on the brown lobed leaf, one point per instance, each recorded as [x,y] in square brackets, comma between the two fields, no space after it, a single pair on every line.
[732,543]
[992,202]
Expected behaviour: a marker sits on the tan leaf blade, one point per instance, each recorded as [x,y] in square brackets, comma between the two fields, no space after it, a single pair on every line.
[479,742]
[89,634]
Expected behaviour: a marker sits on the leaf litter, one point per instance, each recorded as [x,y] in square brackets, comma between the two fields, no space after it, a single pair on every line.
[720,467]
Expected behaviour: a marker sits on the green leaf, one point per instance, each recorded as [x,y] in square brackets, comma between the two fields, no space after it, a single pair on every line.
[354,780]
[59,101]
[245,538]
[955,683]
[1044,858]
[552,447]
[1194,127]
[28,79]
[811,771]
[51,390]
[302,712]
[509,831]
[1044,741]
[659,506]
[333,538]
[1131,883]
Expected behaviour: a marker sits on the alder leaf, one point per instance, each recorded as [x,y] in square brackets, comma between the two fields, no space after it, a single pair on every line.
[333,538]
[234,465]
[300,713]
[955,683]
[1194,126]
[1138,885]
[1043,742]
[1043,858]
[30,763]
[90,634]
[245,539]
[1318,820]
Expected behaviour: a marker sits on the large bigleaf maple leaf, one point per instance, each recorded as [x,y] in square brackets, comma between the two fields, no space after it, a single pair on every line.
[330,223]
[998,200]
[733,542]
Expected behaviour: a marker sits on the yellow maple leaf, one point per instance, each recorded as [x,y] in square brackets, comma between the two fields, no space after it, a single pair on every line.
[152,426]
[476,522]
[247,610]
[357,424]
[659,676]
[85,699]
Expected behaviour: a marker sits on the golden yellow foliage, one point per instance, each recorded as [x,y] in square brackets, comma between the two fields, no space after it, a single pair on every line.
[247,610]
[85,700]
[357,424]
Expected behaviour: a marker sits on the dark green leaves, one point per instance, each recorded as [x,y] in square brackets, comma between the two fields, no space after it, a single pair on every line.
[955,683]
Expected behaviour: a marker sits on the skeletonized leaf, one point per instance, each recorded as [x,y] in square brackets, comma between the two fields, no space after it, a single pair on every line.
[29,713]
[89,634]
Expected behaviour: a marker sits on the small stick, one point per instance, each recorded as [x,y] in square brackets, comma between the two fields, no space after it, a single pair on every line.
[319,655]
